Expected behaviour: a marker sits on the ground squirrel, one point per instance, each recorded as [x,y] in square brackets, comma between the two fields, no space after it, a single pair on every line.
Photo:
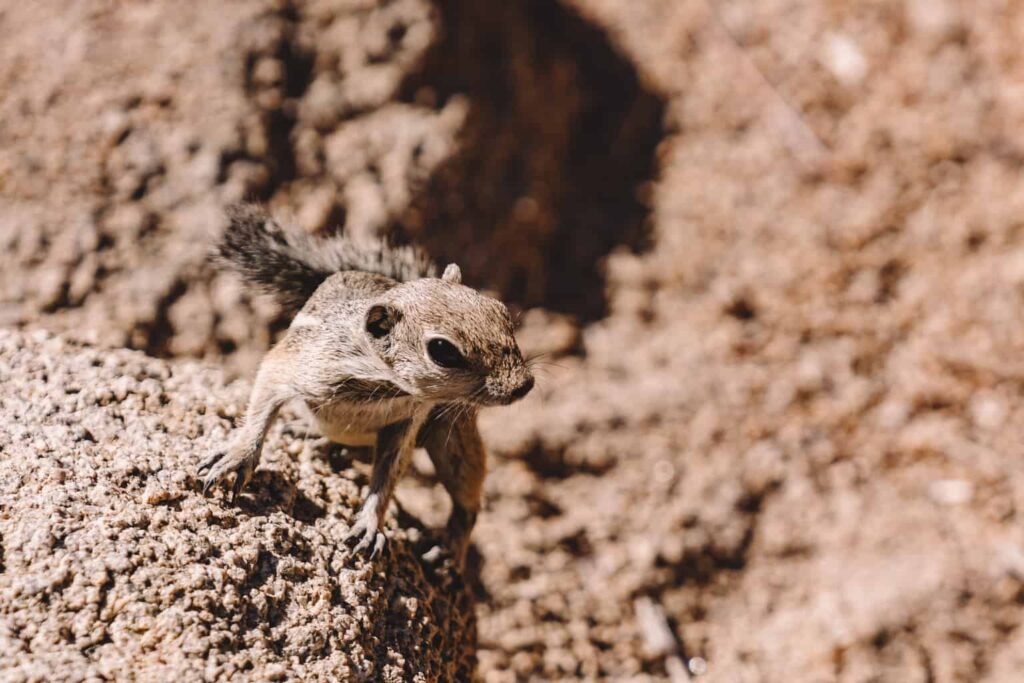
[383,353]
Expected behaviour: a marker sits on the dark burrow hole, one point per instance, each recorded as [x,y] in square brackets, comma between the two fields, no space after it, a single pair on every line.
[555,155]
[554,159]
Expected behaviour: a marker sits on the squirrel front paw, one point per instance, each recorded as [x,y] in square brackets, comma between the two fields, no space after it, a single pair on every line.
[216,467]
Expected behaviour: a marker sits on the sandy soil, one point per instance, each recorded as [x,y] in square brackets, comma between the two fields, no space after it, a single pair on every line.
[772,254]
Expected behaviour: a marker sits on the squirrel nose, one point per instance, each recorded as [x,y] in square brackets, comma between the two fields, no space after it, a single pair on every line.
[523,389]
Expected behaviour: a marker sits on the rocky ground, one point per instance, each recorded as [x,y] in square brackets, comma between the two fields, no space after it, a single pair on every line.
[772,254]
[113,568]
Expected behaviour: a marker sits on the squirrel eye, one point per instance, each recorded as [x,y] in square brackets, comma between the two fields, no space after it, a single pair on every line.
[444,353]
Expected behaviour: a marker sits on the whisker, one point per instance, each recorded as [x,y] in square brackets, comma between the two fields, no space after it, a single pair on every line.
[547,364]
[451,428]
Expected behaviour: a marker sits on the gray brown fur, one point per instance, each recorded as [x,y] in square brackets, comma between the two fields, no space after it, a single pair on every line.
[357,354]
[290,264]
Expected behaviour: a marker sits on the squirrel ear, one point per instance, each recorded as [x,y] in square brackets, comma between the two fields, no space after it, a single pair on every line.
[452,274]
[380,319]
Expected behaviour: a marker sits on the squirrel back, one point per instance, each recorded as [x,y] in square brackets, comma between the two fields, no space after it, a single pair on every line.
[291,264]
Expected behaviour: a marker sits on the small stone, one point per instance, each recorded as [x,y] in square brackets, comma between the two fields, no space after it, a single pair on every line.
[988,412]
[951,491]
[51,286]
[268,72]
[697,666]
[933,18]
[844,59]
[893,414]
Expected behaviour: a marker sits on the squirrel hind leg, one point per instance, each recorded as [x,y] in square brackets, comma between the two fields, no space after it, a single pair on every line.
[453,442]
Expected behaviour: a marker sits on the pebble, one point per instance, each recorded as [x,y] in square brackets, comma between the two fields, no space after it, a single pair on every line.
[951,491]
[844,59]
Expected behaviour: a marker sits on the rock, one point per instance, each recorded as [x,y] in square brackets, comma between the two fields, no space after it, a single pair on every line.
[844,59]
[114,567]
[951,491]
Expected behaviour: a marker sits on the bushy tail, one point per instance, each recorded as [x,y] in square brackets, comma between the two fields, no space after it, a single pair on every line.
[291,264]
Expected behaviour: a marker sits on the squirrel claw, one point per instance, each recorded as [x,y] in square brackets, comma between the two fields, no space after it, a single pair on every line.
[365,537]
[205,465]
[219,465]
[241,479]
[374,541]
[378,546]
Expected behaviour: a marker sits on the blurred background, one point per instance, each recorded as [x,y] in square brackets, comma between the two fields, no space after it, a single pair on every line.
[772,253]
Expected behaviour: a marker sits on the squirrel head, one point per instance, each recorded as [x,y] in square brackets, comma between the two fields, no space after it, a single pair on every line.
[447,342]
